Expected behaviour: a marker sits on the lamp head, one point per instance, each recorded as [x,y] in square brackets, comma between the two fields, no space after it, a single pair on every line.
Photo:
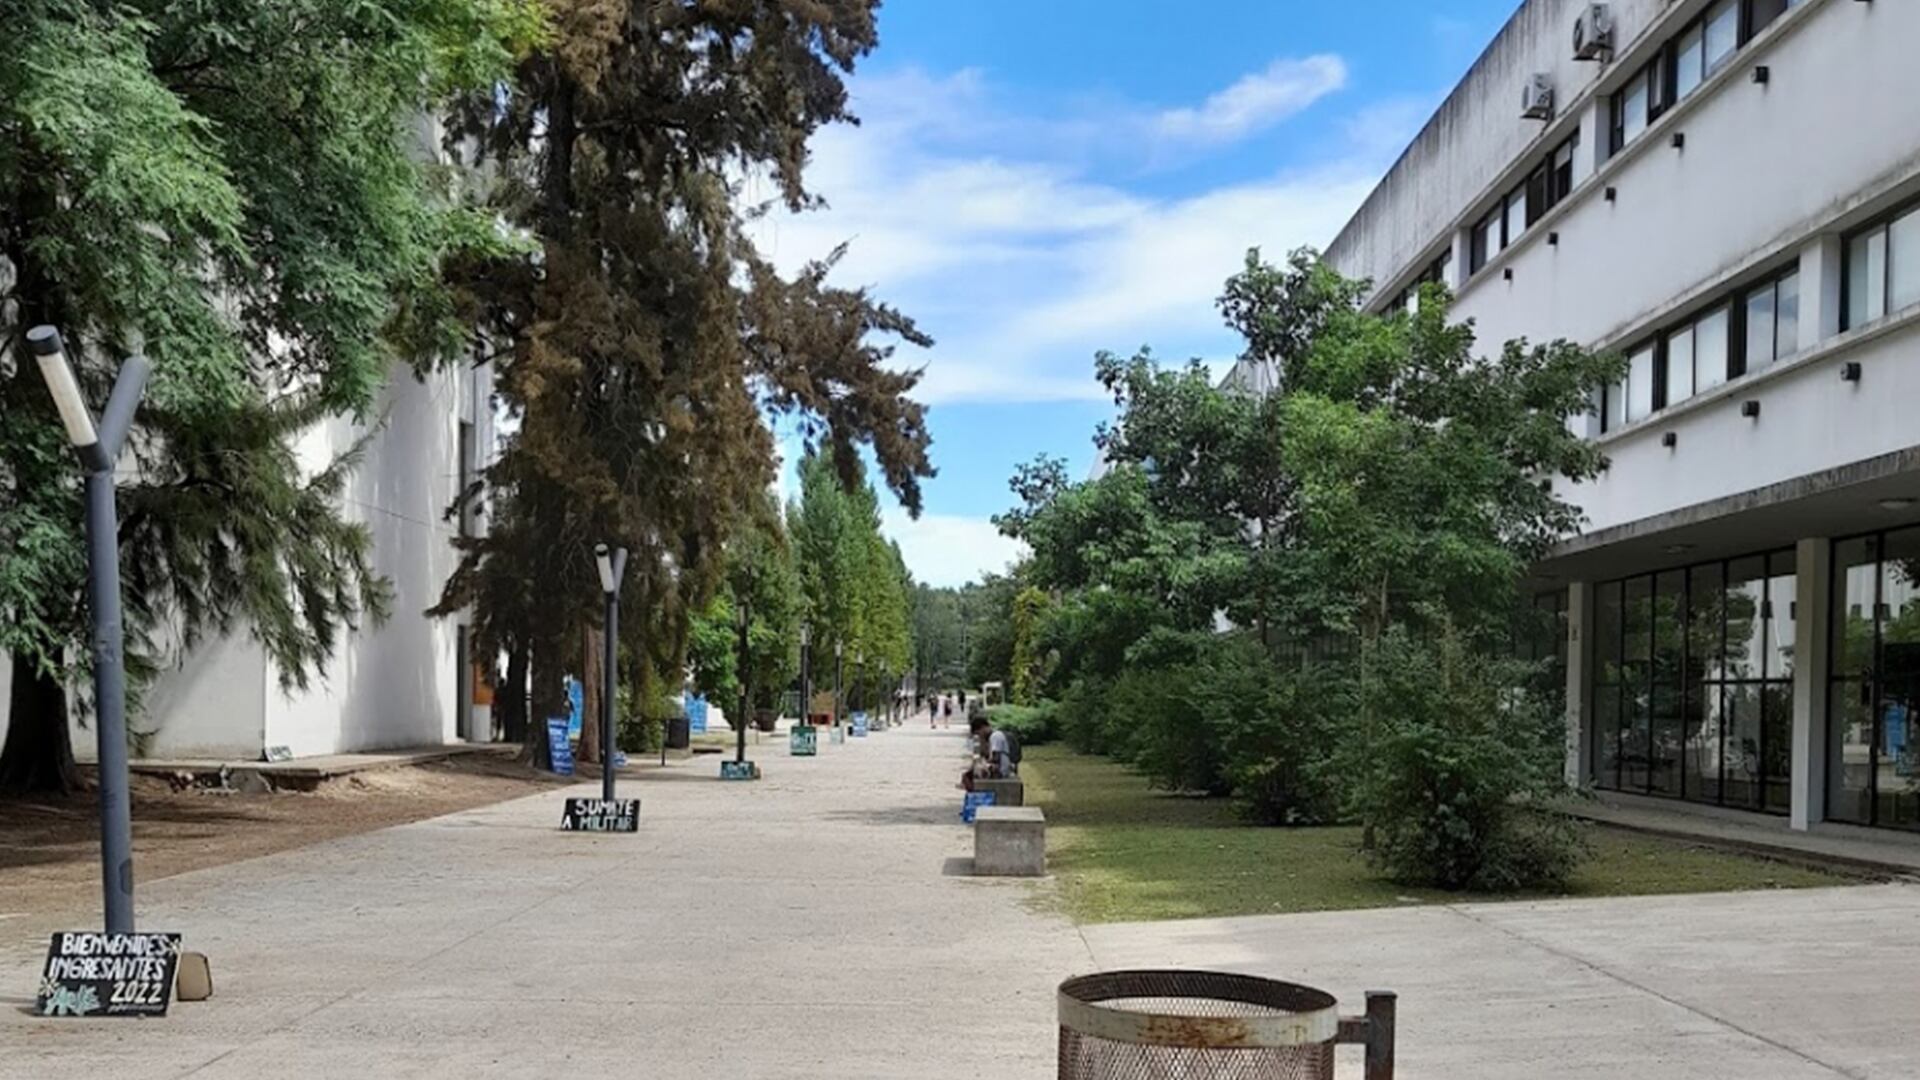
[51,355]
[603,559]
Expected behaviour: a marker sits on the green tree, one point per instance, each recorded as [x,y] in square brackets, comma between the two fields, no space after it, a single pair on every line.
[645,345]
[761,572]
[224,187]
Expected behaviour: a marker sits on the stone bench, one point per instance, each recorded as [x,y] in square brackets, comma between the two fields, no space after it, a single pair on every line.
[1007,792]
[1010,841]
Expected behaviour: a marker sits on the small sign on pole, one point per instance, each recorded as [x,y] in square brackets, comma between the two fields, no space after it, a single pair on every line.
[559,747]
[601,815]
[89,973]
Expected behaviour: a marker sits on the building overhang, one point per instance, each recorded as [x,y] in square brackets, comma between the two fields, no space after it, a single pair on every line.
[1835,502]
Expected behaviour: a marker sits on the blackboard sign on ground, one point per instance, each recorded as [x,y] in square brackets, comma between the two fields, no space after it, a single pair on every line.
[559,749]
[601,815]
[739,770]
[803,741]
[90,973]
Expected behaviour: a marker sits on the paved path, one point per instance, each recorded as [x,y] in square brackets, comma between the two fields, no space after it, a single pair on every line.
[802,926]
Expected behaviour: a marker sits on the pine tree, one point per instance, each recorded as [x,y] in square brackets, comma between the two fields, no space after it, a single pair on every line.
[644,344]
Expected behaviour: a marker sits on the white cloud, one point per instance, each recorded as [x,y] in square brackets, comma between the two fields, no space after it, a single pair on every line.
[946,550]
[1258,101]
[1003,234]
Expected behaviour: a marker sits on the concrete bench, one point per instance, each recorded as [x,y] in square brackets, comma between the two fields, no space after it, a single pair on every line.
[1010,841]
[1007,792]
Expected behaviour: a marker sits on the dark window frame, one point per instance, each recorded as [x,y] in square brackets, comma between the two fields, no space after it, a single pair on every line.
[1722,686]
[1881,223]
[1869,681]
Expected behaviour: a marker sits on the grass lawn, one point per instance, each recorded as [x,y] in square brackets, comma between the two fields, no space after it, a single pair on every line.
[1121,851]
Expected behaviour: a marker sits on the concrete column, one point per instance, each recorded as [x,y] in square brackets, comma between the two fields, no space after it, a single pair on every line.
[1462,251]
[1595,125]
[1820,269]
[1813,567]
[1579,680]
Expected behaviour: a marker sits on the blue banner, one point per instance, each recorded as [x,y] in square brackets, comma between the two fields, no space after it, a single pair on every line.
[576,706]
[971,805]
[696,707]
[859,725]
[559,746]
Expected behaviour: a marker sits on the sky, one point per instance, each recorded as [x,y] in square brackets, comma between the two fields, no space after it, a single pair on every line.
[1034,181]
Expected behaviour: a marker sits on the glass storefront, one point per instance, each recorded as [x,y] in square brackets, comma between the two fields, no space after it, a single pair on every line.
[1874,688]
[1693,683]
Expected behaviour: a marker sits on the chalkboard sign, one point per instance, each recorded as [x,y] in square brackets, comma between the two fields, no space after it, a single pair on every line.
[601,815]
[803,741]
[559,748]
[859,725]
[972,803]
[739,770]
[96,974]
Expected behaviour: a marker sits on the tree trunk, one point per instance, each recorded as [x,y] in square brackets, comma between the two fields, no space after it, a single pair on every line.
[38,758]
[512,698]
[591,676]
[548,699]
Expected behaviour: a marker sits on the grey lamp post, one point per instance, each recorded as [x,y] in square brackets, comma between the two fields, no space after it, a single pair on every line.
[839,664]
[860,677]
[613,568]
[97,450]
[746,680]
[806,673]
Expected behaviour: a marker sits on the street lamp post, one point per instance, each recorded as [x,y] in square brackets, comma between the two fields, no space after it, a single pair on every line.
[613,568]
[839,666]
[97,449]
[746,680]
[806,673]
[860,677]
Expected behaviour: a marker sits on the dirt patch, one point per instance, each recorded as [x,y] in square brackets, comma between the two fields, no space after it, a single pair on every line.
[50,849]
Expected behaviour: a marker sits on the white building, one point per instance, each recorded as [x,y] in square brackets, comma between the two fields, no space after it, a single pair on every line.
[409,682]
[1728,192]
[400,684]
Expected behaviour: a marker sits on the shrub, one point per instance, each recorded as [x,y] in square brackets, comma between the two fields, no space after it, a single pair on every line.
[1032,725]
[1282,729]
[1452,769]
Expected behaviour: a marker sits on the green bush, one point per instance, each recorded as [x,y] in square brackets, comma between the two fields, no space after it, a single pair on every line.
[1281,728]
[1452,770]
[1032,725]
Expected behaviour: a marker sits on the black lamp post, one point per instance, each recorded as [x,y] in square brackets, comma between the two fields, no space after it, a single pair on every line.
[613,569]
[97,449]
[860,678]
[839,666]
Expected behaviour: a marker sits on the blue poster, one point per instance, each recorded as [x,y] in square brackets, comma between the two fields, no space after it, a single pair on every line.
[859,725]
[576,706]
[696,707]
[559,746]
[971,805]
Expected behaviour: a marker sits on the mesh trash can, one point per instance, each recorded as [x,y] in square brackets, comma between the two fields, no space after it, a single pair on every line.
[1208,1025]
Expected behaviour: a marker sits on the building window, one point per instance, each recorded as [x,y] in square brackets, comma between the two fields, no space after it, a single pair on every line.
[1516,215]
[1408,299]
[1693,683]
[1630,108]
[1640,384]
[1882,269]
[1722,35]
[1772,322]
[1873,756]
[1488,240]
[1687,61]
[1761,13]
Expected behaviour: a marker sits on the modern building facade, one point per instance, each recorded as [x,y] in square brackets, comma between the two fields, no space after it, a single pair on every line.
[1727,192]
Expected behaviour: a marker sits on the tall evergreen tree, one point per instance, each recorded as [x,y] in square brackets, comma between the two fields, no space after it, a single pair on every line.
[643,345]
[227,186]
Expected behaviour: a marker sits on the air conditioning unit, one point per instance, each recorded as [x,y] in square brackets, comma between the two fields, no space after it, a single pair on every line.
[1593,33]
[1537,103]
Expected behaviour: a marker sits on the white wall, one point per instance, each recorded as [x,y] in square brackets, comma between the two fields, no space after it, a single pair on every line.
[395,685]
[1478,136]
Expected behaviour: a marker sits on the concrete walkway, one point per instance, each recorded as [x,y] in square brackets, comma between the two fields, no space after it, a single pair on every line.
[803,926]
[800,926]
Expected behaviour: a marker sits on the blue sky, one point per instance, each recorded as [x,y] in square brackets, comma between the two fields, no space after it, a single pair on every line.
[1035,181]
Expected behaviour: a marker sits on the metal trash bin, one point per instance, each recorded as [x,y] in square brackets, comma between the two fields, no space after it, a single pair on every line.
[1210,1025]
